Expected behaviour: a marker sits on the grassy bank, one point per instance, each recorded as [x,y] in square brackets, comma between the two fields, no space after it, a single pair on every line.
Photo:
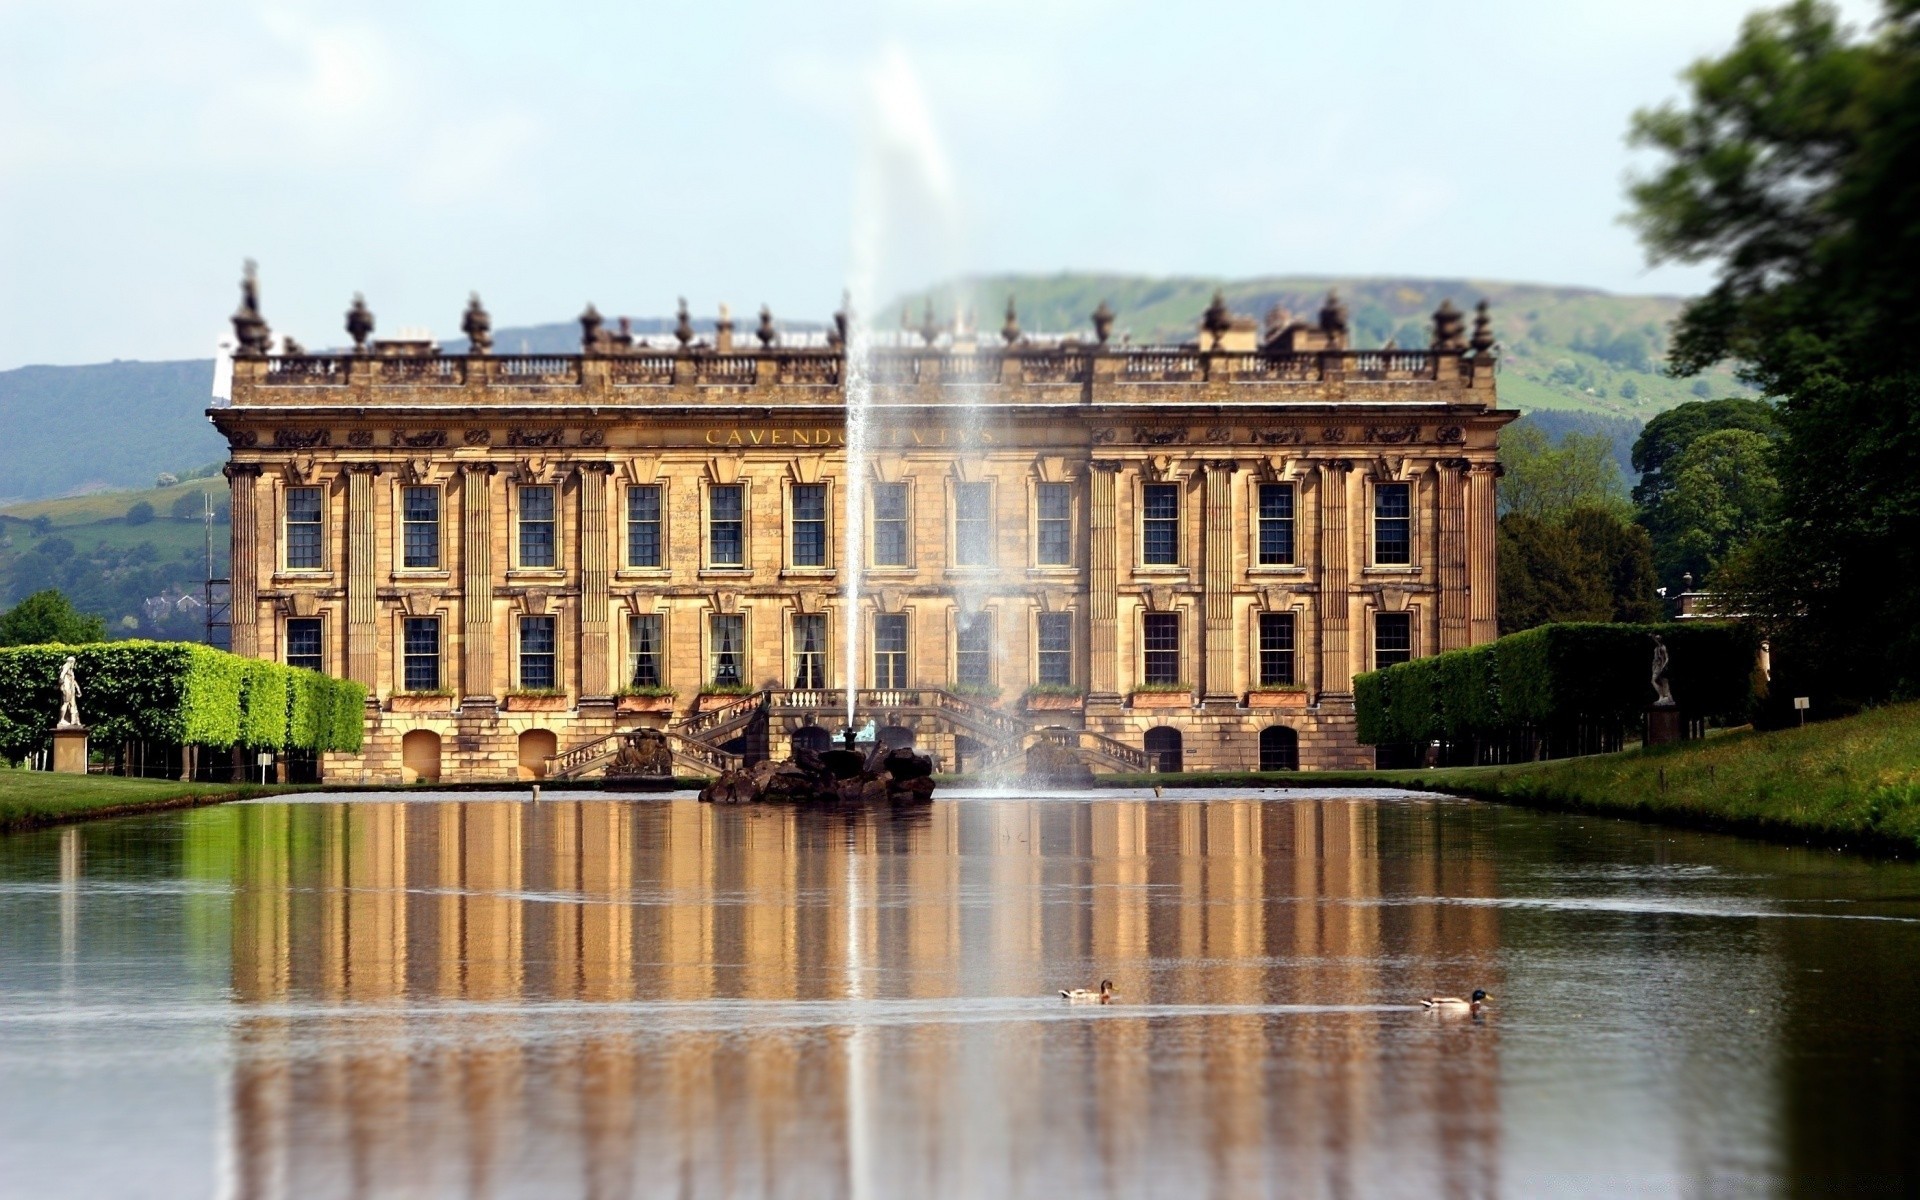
[31,799]
[1853,782]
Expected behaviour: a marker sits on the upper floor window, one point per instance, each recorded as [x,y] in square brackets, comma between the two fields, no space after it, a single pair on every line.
[972,524]
[726,525]
[1160,524]
[537,542]
[1392,638]
[1054,524]
[726,649]
[1161,639]
[1276,524]
[973,650]
[643,525]
[1056,649]
[420,526]
[890,650]
[539,661]
[1276,649]
[809,650]
[303,528]
[890,525]
[304,648]
[646,644]
[809,524]
[1392,524]
[420,654]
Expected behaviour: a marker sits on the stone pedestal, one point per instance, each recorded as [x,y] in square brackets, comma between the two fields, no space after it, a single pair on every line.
[1663,725]
[70,749]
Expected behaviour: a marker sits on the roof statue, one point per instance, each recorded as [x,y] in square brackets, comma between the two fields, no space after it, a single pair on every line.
[1010,332]
[1482,342]
[249,327]
[767,334]
[1333,314]
[1218,318]
[1103,322]
[359,323]
[683,325]
[477,325]
[590,323]
[929,328]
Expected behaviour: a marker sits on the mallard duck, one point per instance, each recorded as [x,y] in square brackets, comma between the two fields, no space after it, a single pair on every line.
[1088,995]
[1455,1003]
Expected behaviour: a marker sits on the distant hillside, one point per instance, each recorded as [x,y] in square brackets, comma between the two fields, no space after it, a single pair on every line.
[74,429]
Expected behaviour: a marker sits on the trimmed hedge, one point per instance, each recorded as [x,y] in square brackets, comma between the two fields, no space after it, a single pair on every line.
[1556,677]
[177,693]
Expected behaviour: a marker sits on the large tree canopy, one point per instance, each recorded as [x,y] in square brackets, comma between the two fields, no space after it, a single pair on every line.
[1546,481]
[47,617]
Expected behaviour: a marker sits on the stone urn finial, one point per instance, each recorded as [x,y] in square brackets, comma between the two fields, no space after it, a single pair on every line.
[1482,341]
[1010,332]
[359,323]
[683,325]
[929,328]
[767,334]
[837,336]
[1103,322]
[1333,314]
[590,323]
[1449,327]
[250,329]
[477,325]
[1218,318]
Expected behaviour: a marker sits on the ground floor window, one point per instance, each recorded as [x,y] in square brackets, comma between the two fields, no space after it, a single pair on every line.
[1163,748]
[726,649]
[973,650]
[890,650]
[645,643]
[303,643]
[1392,639]
[1056,649]
[1279,749]
[1276,649]
[1161,638]
[539,661]
[810,650]
[420,655]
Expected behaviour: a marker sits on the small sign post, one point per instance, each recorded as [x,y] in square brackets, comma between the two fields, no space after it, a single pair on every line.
[1800,706]
[263,760]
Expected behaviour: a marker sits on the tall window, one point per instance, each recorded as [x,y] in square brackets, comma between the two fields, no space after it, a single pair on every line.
[973,650]
[1055,524]
[303,529]
[420,526]
[1392,638]
[420,654]
[1160,524]
[646,637]
[536,527]
[1276,649]
[726,649]
[889,524]
[726,541]
[1276,524]
[890,650]
[809,524]
[809,650]
[303,643]
[1392,524]
[538,661]
[643,525]
[1056,649]
[1162,657]
[972,524]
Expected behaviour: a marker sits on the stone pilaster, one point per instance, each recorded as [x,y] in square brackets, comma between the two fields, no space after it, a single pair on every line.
[595,646]
[1481,527]
[1336,671]
[1216,582]
[476,581]
[1450,489]
[362,542]
[244,569]
[1103,583]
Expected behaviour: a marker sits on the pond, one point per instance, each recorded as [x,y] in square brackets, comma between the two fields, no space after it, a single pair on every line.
[602,996]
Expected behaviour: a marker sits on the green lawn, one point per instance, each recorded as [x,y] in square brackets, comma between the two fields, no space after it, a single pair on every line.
[1853,782]
[30,799]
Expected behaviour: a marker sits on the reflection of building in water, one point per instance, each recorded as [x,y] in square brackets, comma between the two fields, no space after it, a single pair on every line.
[508,993]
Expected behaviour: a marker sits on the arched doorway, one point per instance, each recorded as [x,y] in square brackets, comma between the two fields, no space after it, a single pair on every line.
[1279,749]
[812,737]
[420,757]
[896,737]
[1163,748]
[535,746]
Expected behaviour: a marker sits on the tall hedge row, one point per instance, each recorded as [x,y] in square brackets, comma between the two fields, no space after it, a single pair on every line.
[176,693]
[1556,676]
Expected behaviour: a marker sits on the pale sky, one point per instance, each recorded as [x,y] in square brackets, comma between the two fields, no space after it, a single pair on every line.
[628,153]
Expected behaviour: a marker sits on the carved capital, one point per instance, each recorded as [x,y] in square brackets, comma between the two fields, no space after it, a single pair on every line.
[235,470]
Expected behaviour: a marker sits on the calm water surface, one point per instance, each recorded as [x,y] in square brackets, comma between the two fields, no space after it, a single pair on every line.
[612,997]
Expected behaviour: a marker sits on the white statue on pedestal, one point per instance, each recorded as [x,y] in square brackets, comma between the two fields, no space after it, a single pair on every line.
[69,696]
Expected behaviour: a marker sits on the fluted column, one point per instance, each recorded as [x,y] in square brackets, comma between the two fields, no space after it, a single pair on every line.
[1216,582]
[1103,682]
[1451,520]
[1481,540]
[244,567]
[1336,671]
[595,647]
[362,627]
[476,582]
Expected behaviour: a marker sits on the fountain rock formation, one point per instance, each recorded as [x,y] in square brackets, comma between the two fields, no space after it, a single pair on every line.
[884,776]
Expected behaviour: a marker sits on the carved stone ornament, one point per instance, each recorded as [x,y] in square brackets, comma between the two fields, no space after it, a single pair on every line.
[360,439]
[593,437]
[299,471]
[1449,435]
[477,437]
[1277,437]
[417,471]
[641,600]
[1388,468]
[1159,437]
[1392,435]
[887,600]
[1274,468]
[1393,599]
[430,439]
[418,604]
[531,470]
[1159,598]
[1274,598]
[243,439]
[724,600]
[1333,433]
[301,439]
[536,437]
[1105,437]
[643,468]
[809,603]
[1219,434]
[301,604]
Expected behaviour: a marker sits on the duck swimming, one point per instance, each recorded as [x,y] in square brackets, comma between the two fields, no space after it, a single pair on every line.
[1455,1003]
[1089,996]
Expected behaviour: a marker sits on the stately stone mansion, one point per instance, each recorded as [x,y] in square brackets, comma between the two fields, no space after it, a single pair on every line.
[1136,557]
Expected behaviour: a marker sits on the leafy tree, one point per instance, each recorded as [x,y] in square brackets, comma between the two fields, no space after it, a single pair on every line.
[1668,435]
[1723,494]
[1791,167]
[49,616]
[140,513]
[1546,481]
[1586,565]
